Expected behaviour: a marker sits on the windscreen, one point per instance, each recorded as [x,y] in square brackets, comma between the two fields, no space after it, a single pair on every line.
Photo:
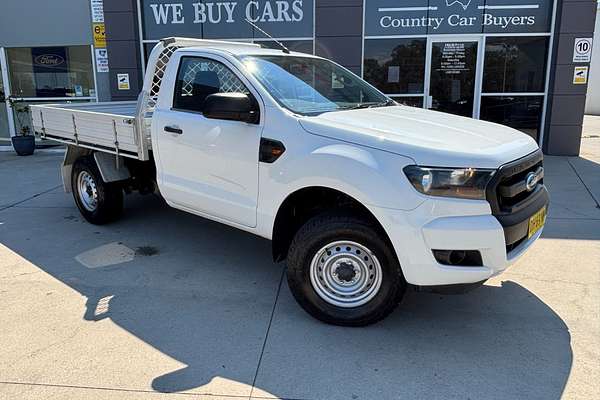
[311,86]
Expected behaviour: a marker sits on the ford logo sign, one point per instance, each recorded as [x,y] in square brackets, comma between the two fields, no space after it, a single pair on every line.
[49,60]
[533,178]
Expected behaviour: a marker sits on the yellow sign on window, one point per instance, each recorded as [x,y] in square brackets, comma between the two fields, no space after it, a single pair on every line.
[99,35]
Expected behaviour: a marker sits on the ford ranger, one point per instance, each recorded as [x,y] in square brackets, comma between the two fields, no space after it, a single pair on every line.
[361,196]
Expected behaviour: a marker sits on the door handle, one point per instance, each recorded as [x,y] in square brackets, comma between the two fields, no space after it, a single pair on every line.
[173,129]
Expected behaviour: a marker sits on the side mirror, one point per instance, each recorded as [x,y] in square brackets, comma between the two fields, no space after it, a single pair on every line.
[232,107]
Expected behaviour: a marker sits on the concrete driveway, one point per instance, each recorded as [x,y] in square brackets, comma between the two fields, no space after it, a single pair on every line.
[165,304]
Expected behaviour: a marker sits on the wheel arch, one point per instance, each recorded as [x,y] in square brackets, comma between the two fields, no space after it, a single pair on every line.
[307,202]
[112,168]
[72,154]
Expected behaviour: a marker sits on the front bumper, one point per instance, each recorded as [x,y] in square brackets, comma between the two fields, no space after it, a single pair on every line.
[516,224]
[453,224]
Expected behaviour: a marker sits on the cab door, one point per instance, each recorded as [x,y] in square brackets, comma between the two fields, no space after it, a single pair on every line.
[206,166]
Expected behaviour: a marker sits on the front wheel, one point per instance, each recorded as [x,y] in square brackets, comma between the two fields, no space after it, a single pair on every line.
[342,271]
[99,202]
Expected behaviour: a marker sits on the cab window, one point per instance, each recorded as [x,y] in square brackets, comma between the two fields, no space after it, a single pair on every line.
[198,78]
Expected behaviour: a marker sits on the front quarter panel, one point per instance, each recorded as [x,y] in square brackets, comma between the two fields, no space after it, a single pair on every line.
[372,177]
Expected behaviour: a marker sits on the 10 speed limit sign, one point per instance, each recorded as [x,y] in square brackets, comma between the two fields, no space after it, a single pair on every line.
[582,50]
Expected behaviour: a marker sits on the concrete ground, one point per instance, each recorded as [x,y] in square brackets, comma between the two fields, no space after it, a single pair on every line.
[165,304]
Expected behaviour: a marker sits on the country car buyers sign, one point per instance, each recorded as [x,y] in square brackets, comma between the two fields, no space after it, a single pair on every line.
[226,19]
[410,17]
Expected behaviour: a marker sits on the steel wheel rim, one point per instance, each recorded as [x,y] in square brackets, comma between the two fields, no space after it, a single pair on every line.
[345,274]
[87,191]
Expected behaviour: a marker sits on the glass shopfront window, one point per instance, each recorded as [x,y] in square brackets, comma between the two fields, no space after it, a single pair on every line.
[485,59]
[514,70]
[520,112]
[413,101]
[512,86]
[396,66]
[515,64]
[39,72]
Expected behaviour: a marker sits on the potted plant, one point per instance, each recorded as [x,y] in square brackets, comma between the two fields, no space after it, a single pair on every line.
[24,141]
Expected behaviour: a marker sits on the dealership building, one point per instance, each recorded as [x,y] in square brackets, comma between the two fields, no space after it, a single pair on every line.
[521,63]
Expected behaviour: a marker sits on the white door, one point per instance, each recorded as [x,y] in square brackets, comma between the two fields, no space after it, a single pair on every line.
[452,83]
[207,166]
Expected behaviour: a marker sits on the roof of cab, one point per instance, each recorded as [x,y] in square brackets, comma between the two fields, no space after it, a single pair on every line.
[233,48]
[246,51]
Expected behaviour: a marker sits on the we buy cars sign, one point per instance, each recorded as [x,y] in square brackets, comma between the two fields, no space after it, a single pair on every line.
[226,19]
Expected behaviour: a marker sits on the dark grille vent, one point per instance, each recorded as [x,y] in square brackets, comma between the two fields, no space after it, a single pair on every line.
[506,192]
[512,203]
[512,190]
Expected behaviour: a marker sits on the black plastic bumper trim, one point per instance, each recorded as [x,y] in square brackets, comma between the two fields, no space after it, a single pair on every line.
[516,225]
[458,288]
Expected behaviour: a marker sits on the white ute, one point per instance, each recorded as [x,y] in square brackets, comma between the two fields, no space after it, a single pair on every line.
[363,197]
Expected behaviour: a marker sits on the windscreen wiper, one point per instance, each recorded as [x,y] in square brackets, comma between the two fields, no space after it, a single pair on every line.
[370,104]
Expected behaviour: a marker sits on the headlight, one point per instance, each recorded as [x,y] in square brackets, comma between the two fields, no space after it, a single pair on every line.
[465,183]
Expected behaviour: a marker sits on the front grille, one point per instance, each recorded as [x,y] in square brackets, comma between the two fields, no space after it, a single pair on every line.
[512,203]
[507,189]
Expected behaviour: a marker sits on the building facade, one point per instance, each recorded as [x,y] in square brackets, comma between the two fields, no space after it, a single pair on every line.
[522,63]
[592,105]
[46,55]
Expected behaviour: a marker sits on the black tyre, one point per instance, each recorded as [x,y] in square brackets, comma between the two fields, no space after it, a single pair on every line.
[98,202]
[343,271]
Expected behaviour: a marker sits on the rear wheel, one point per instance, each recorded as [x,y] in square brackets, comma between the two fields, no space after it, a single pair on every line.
[99,202]
[343,271]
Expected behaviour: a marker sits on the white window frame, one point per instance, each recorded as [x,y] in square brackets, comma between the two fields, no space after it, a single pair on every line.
[6,82]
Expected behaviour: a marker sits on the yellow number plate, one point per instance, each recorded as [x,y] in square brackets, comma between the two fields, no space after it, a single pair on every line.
[536,221]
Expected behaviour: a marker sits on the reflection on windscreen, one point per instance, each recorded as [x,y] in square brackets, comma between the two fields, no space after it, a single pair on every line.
[309,85]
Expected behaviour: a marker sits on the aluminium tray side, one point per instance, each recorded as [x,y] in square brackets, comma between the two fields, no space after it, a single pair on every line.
[81,126]
[120,108]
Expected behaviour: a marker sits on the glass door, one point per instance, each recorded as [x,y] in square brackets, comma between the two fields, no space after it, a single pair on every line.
[453,75]
[4,117]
